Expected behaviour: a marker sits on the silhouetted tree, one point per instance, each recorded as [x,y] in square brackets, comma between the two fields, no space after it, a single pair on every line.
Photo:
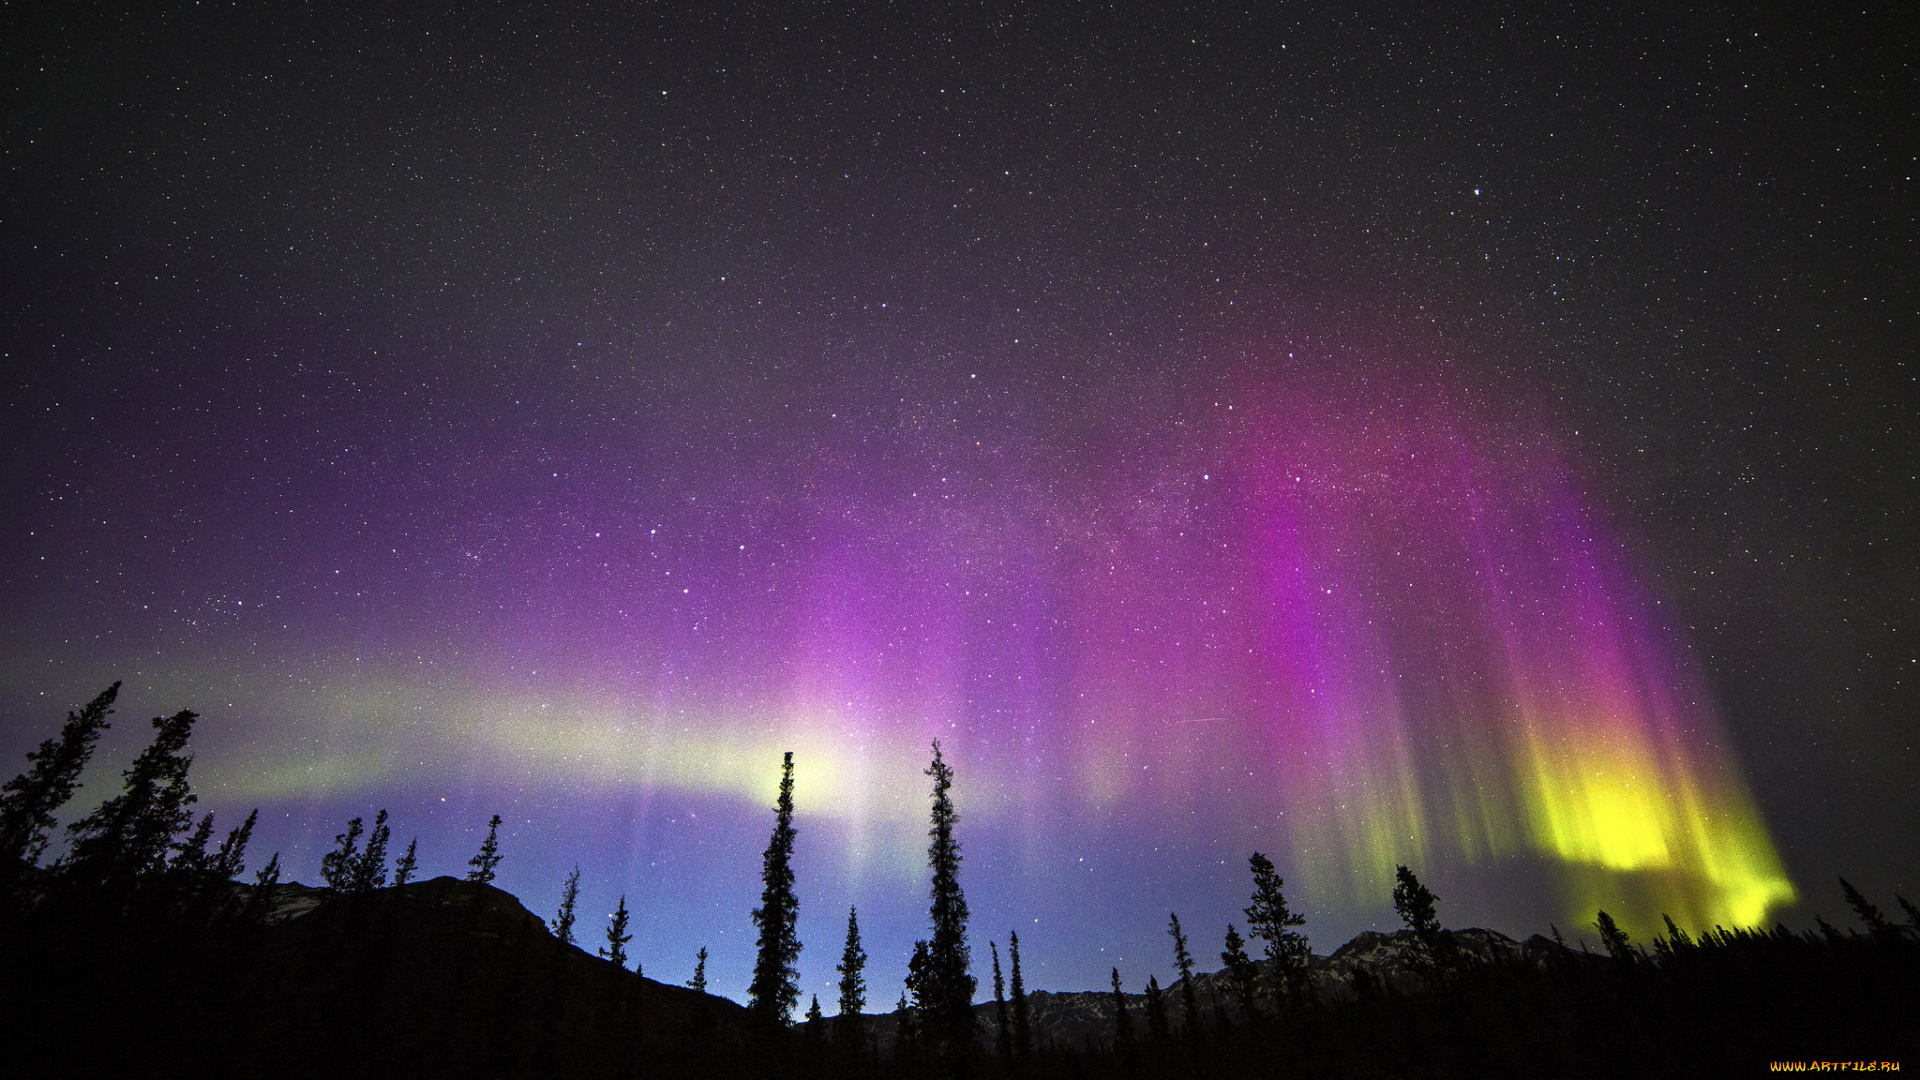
[852,968]
[230,861]
[1868,912]
[190,855]
[617,937]
[1241,972]
[1022,1017]
[1677,938]
[404,866]
[1272,921]
[336,866]
[849,1031]
[906,1028]
[699,980]
[266,888]
[1614,938]
[1158,1031]
[816,1022]
[1913,914]
[1416,905]
[1189,1000]
[484,863]
[1122,1023]
[28,801]
[131,833]
[1003,1039]
[369,871]
[569,895]
[775,988]
[948,1003]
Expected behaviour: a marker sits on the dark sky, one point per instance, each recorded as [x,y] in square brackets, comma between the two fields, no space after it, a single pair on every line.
[1478,439]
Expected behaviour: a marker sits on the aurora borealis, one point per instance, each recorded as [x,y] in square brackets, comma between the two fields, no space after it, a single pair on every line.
[1350,437]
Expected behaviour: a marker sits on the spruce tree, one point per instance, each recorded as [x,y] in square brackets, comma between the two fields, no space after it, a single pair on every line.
[190,855]
[336,866]
[816,1022]
[699,980]
[1614,938]
[1122,1023]
[1022,1018]
[569,894]
[483,864]
[1416,906]
[404,866]
[369,871]
[853,969]
[1159,1032]
[1913,914]
[950,983]
[906,1031]
[1241,972]
[1003,1039]
[230,861]
[1867,911]
[775,988]
[28,801]
[617,937]
[1272,921]
[129,835]
[266,888]
[1677,938]
[1189,1000]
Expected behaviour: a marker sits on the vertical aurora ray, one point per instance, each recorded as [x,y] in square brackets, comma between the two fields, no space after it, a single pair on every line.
[1463,669]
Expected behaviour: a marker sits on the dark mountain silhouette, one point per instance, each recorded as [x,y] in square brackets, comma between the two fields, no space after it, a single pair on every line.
[439,977]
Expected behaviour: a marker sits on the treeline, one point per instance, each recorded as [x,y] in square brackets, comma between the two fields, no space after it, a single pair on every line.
[141,928]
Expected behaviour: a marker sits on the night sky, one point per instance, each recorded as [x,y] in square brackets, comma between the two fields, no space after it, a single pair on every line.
[1478,440]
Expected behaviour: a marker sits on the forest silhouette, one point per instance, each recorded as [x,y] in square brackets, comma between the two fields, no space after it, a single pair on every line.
[143,949]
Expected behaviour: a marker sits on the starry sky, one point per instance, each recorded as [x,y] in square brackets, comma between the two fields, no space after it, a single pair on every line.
[1482,440]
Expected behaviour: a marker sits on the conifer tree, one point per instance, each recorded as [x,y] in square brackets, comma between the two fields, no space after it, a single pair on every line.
[130,834]
[1416,905]
[1159,1032]
[266,887]
[1189,1000]
[699,980]
[906,1030]
[617,937]
[816,1022]
[1003,1039]
[950,984]
[1677,938]
[1913,914]
[569,894]
[190,855]
[1122,1023]
[852,968]
[1022,1018]
[775,988]
[404,866]
[230,861]
[1614,938]
[336,866]
[1867,910]
[1272,921]
[1241,971]
[483,864]
[28,801]
[369,871]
